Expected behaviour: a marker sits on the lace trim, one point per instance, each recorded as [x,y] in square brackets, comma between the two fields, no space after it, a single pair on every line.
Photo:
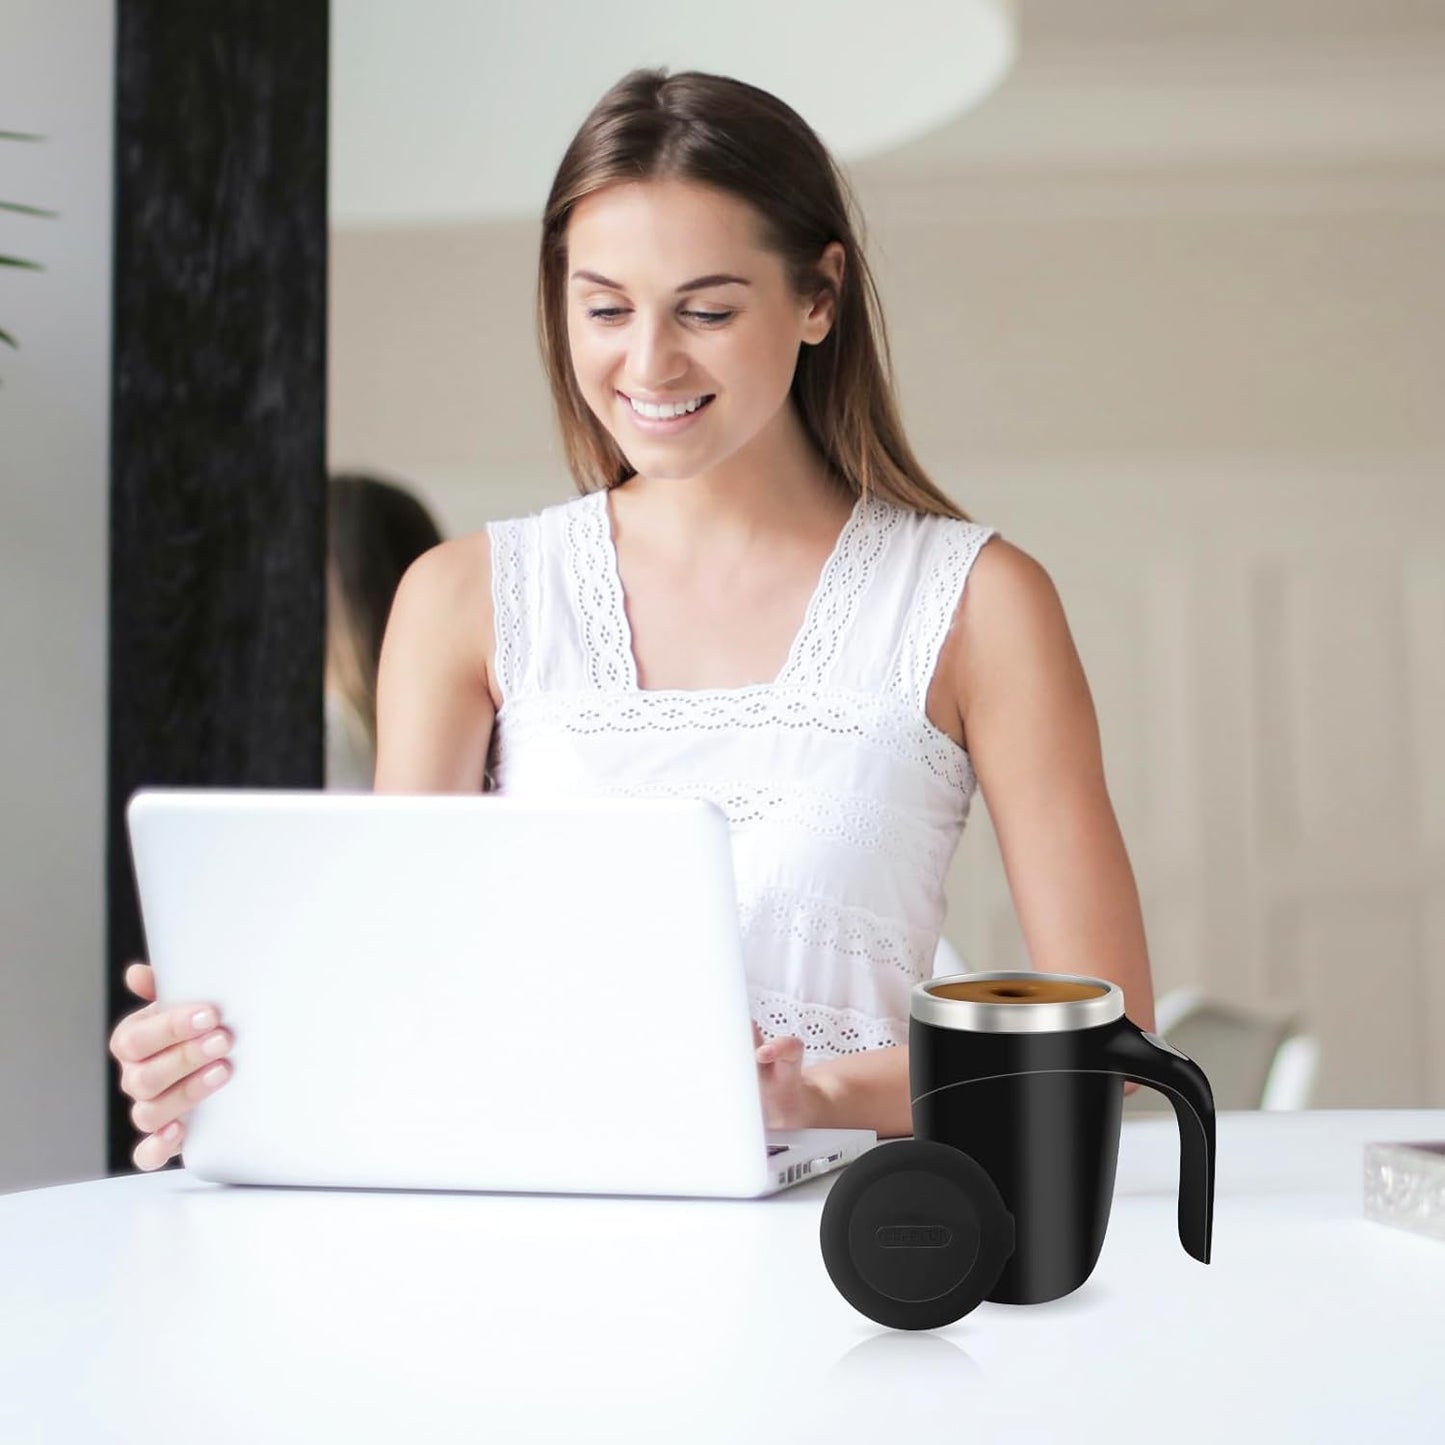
[591,560]
[826,1032]
[834,604]
[934,612]
[606,652]
[507,601]
[860,822]
[840,930]
[880,720]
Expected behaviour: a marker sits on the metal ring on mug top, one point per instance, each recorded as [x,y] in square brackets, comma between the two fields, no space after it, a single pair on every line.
[1101,1002]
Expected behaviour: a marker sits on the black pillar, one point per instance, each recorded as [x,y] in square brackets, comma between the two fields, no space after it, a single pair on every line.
[217,494]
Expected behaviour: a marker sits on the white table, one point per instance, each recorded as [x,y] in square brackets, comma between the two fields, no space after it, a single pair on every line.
[158,1308]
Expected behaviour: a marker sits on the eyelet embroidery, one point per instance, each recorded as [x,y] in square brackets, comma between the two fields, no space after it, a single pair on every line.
[598,589]
[869,824]
[781,927]
[507,574]
[826,1031]
[840,930]
[879,720]
[933,615]
[840,588]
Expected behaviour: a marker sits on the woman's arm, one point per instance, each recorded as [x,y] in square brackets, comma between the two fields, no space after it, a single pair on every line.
[1010,666]
[1034,741]
[858,1091]
[434,698]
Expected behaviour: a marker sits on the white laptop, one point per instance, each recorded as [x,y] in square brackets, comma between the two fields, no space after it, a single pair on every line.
[478,993]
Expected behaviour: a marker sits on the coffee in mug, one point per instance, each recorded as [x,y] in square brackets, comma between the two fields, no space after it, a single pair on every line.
[1012,990]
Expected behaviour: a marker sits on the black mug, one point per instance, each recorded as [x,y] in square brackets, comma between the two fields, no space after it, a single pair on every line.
[1025,1072]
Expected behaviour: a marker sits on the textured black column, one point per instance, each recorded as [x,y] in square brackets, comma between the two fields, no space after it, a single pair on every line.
[218,504]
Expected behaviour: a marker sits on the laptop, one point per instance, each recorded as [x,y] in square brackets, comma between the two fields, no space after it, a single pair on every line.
[465,993]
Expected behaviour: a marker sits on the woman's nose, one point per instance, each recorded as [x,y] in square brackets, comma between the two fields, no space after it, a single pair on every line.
[655,358]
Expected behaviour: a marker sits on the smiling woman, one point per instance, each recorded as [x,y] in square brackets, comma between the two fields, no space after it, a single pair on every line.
[760,598]
[780,300]
[658,359]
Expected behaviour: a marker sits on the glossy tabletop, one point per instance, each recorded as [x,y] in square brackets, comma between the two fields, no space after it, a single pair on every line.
[160,1308]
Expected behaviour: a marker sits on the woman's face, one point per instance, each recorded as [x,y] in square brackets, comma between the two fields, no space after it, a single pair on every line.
[671,299]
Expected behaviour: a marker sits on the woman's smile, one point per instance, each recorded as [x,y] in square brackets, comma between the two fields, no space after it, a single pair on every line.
[662,420]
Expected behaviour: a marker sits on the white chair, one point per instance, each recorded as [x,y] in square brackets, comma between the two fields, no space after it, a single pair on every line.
[946,959]
[1254,1059]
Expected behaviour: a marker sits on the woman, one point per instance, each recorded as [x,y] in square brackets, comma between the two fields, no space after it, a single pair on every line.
[760,598]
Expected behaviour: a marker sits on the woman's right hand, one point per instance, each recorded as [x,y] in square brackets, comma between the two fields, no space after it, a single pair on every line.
[168,1064]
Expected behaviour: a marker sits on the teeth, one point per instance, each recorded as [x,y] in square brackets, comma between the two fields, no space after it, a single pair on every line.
[663,413]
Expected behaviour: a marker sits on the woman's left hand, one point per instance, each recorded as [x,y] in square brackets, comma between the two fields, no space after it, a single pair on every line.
[787,1102]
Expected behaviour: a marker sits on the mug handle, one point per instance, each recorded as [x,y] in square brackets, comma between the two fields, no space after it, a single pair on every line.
[1147,1059]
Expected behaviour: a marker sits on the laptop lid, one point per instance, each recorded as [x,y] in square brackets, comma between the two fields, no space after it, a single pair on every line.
[458,992]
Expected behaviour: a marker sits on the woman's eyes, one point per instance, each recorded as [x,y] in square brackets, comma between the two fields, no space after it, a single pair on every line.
[708,318]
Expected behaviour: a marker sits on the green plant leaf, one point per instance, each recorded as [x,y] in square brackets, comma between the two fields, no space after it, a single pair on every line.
[15,208]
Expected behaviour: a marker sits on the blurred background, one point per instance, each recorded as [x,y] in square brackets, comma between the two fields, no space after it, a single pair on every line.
[1165,298]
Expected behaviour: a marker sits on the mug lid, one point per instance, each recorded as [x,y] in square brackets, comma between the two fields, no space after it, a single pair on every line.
[915,1234]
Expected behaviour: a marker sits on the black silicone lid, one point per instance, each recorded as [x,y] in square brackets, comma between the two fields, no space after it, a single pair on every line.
[915,1234]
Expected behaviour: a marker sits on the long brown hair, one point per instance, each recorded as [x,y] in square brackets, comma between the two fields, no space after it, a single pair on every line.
[375,529]
[724,133]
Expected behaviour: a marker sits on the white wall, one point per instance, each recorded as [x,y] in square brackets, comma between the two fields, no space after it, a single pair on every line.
[56,78]
[1207,401]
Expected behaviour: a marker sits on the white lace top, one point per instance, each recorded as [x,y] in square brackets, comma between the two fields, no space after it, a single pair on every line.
[845,802]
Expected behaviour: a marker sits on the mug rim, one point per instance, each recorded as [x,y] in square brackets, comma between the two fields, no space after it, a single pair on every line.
[980,1016]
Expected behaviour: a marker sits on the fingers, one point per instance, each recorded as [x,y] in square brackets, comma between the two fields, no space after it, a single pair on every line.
[148,1079]
[140,979]
[170,1059]
[152,1115]
[780,1082]
[149,1030]
[788,1049]
[155,1149]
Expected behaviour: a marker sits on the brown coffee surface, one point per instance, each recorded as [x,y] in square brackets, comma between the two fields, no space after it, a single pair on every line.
[1017,990]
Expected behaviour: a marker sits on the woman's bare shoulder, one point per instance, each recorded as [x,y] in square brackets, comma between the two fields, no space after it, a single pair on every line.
[1007,623]
[1003,579]
[453,572]
[1010,609]
[446,596]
